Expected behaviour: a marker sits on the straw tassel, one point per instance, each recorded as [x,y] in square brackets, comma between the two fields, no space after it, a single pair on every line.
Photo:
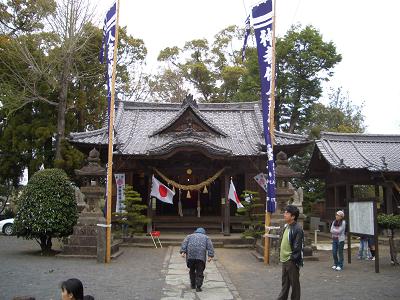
[188,195]
[205,191]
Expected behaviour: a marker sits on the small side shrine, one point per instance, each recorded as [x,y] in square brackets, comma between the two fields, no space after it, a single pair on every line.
[346,161]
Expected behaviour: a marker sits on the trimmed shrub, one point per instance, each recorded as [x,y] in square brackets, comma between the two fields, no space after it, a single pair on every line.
[46,208]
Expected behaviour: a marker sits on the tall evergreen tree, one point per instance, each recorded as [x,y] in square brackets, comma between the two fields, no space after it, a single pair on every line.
[303,61]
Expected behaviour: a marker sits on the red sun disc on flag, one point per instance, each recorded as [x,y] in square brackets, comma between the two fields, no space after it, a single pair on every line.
[162,190]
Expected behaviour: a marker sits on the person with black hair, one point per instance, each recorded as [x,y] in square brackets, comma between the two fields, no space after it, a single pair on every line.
[72,289]
[291,254]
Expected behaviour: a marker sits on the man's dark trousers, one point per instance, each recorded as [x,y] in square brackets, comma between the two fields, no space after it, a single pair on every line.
[196,267]
[290,278]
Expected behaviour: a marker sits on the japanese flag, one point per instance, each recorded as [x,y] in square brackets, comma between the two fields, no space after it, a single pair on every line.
[161,192]
[233,196]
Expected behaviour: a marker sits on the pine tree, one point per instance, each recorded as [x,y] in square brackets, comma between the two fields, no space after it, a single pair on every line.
[133,216]
[253,213]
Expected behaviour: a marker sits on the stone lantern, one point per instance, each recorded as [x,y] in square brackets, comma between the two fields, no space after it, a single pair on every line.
[88,238]
[91,175]
[283,174]
[285,193]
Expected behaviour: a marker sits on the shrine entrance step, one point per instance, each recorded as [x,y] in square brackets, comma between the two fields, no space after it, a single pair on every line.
[235,240]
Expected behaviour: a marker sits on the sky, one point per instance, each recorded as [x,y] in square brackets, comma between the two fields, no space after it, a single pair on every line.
[365,32]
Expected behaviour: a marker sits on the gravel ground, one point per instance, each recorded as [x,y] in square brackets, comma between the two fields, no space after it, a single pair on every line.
[137,274]
[134,275]
[358,280]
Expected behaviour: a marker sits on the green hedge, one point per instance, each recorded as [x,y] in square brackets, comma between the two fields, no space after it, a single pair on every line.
[46,207]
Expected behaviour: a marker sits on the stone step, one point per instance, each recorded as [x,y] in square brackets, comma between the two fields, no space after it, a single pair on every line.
[62,254]
[85,230]
[79,250]
[82,240]
[113,255]
[216,244]
[186,226]
[240,246]
[311,258]
[169,239]
[259,248]
[257,255]
[115,246]
[164,244]
[71,250]
[139,245]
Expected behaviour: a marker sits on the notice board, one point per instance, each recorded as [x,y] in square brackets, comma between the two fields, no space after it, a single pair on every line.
[361,217]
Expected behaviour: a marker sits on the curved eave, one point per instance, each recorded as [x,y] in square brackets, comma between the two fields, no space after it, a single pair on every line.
[208,149]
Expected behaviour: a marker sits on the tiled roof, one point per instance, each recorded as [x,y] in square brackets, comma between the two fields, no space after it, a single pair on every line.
[186,106]
[235,129]
[361,151]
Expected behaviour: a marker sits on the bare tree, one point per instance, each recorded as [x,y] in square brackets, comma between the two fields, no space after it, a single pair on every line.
[68,23]
[63,38]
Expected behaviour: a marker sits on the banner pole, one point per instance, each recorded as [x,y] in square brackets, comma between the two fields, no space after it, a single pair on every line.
[273,70]
[110,145]
[266,239]
[272,133]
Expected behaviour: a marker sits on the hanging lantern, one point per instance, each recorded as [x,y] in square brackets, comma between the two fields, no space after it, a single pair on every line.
[205,191]
[188,195]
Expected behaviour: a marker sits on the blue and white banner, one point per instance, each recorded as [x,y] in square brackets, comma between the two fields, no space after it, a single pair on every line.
[262,15]
[120,181]
[108,47]
[246,36]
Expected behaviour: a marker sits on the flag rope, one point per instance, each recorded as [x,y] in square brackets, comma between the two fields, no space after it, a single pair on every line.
[190,187]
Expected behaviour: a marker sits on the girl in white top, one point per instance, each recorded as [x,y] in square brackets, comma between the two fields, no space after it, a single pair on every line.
[338,237]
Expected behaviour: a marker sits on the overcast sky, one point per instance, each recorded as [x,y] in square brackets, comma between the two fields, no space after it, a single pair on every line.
[365,32]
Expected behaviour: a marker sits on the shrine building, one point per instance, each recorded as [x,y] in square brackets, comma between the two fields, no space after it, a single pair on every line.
[194,149]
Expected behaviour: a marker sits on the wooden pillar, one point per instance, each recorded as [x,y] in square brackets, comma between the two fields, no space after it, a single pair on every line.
[377,191]
[335,196]
[227,217]
[389,198]
[149,206]
[376,239]
[378,201]
[349,193]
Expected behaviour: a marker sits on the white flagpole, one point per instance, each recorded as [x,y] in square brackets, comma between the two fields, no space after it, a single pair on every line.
[110,145]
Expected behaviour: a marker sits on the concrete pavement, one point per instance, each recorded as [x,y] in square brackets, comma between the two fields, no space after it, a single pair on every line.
[217,284]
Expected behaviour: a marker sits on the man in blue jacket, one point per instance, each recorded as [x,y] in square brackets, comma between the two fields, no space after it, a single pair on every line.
[291,254]
[195,247]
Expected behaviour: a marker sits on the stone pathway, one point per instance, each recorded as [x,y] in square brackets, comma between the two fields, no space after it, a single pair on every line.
[217,284]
